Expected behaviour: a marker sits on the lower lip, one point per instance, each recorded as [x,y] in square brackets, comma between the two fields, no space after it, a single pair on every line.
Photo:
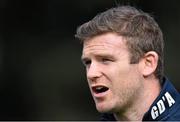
[98,95]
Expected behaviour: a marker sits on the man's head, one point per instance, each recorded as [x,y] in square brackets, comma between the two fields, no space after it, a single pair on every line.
[138,28]
[123,55]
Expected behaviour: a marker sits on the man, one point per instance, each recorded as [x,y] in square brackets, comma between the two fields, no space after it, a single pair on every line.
[123,56]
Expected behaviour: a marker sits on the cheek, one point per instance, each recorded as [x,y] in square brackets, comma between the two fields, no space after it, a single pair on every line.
[120,72]
[124,76]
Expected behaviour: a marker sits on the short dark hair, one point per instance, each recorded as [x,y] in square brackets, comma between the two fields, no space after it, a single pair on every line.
[139,29]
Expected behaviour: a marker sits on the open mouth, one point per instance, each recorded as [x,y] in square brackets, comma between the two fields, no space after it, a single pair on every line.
[100,89]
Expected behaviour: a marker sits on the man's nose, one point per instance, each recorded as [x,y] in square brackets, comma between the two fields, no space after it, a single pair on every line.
[93,72]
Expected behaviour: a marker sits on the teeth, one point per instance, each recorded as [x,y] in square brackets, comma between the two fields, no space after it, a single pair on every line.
[99,87]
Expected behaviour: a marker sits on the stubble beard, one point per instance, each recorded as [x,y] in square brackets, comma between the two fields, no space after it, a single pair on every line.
[127,98]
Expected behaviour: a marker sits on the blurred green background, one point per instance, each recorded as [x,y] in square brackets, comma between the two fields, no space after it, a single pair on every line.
[41,75]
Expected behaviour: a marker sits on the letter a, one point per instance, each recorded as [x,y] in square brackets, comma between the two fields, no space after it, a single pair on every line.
[169,98]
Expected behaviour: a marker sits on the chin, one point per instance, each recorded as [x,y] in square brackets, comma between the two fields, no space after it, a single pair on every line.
[104,109]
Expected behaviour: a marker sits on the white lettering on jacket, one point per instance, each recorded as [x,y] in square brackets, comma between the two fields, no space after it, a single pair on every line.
[159,108]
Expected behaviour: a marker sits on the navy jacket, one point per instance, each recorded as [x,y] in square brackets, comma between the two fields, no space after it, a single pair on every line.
[166,107]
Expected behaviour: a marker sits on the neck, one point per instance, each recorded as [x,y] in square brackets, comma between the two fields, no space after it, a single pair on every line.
[142,104]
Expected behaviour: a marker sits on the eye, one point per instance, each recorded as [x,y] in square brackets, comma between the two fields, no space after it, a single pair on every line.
[86,62]
[106,60]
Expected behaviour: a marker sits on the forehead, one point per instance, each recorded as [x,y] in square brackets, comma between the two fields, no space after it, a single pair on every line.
[109,42]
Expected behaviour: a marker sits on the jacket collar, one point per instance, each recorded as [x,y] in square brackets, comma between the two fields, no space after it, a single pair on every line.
[165,104]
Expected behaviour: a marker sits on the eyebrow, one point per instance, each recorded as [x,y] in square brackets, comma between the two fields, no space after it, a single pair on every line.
[83,58]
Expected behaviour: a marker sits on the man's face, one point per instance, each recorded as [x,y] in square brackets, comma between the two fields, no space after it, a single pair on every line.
[114,82]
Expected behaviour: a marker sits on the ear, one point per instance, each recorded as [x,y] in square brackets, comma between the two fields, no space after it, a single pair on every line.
[149,63]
